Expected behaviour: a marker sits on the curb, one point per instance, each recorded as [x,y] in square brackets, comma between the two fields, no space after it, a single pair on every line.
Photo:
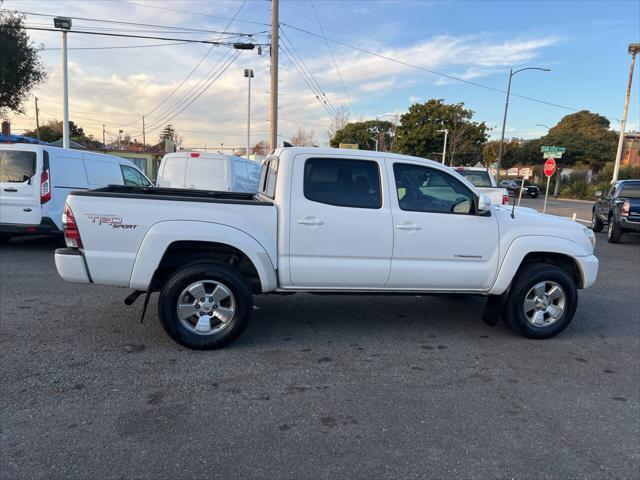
[572,200]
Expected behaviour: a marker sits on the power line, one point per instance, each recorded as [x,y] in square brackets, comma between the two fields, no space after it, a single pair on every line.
[197,65]
[136,24]
[452,77]
[188,12]
[186,40]
[333,59]
[305,72]
[118,47]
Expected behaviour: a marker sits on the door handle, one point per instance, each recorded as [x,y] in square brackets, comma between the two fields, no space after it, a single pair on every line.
[310,221]
[10,189]
[408,226]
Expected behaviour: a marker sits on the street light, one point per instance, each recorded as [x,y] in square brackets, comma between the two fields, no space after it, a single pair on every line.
[444,147]
[64,24]
[541,125]
[506,108]
[248,73]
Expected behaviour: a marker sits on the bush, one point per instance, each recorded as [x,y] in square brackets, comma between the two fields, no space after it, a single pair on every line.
[626,172]
[578,188]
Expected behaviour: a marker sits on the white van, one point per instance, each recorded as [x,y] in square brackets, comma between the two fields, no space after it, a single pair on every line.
[209,171]
[35,181]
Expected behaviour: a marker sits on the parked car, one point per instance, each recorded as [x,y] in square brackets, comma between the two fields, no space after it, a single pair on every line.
[35,181]
[619,209]
[326,220]
[485,183]
[208,171]
[513,187]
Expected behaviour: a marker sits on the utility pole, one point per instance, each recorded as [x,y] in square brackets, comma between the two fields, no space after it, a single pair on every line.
[633,49]
[144,138]
[37,120]
[248,73]
[273,117]
[444,147]
[104,145]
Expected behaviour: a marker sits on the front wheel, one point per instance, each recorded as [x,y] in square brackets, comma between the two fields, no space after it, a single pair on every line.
[205,305]
[596,223]
[542,301]
[614,232]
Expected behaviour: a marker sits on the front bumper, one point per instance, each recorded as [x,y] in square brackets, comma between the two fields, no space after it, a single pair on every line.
[589,269]
[45,227]
[71,265]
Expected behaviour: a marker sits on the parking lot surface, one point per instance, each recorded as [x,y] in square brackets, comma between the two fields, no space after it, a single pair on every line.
[317,386]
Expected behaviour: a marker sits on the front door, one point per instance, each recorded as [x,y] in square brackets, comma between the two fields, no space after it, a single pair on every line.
[439,241]
[340,226]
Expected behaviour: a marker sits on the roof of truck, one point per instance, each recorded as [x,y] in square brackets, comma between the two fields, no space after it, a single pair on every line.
[347,151]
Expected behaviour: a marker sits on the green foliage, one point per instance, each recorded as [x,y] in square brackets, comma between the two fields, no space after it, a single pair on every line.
[418,133]
[169,133]
[491,150]
[625,173]
[52,131]
[360,133]
[20,67]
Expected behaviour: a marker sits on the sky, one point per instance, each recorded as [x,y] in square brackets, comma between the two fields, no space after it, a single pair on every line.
[584,43]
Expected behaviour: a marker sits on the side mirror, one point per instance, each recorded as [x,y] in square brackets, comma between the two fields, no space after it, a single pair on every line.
[484,203]
[599,193]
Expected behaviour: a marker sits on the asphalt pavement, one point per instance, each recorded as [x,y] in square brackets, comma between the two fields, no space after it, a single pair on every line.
[318,386]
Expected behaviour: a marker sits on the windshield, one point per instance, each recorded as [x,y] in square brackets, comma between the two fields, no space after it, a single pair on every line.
[631,190]
[477,177]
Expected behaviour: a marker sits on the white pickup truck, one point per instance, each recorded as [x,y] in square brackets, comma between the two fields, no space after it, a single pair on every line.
[325,220]
[486,183]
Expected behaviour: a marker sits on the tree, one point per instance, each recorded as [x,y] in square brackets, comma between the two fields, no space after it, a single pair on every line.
[20,67]
[491,149]
[261,148]
[364,135]
[302,138]
[338,122]
[418,133]
[168,133]
[52,131]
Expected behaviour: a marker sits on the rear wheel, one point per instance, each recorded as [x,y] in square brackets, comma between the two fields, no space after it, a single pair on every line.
[596,223]
[542,301]
[205,305]
[614,232]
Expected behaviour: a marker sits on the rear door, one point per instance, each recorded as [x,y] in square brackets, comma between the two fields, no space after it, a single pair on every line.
[20,187]
[340,227]
[206,173]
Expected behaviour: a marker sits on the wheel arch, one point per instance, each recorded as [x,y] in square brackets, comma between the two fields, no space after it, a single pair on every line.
[170,245]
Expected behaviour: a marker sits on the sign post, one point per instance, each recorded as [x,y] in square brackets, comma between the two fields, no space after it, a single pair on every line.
[549,170]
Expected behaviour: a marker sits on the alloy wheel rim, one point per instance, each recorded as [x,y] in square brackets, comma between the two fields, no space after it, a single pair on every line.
[544,304]
[206,307]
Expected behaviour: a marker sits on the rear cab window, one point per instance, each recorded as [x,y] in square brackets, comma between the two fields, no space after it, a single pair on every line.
[268,177]
[477,178]
[630,190]
[17,166]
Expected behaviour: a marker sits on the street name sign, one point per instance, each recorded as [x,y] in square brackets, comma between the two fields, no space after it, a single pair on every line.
[550,148]
[552,155]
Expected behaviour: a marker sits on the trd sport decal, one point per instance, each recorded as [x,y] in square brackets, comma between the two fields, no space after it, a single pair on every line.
[112,220]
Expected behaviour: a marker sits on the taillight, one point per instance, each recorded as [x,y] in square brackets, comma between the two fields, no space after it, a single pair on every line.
[505,199]
[626,206]
[71,232]
[45,187]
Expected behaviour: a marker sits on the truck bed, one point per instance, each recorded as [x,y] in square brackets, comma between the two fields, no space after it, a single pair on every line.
[173,195]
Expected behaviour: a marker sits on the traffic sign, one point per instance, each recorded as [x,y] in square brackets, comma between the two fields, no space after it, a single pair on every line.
[552,155]
[549,167]
[548,148]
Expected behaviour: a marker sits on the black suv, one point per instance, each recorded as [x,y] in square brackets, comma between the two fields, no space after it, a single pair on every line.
[513,187]
[619,208]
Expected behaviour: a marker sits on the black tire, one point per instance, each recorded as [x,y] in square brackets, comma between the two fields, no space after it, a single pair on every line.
[614,232]
[4,238]
[596,223]
[225,275]
[527,277]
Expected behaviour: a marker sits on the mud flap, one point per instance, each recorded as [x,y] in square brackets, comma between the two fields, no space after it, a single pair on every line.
[493,308]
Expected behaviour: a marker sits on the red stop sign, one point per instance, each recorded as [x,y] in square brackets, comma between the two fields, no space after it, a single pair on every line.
[549,167]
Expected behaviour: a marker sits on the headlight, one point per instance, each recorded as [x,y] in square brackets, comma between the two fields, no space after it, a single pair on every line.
[590,235]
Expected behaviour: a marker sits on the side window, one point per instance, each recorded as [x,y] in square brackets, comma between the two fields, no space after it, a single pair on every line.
[131,176]
[343,183]
[17,166]
[423,189]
